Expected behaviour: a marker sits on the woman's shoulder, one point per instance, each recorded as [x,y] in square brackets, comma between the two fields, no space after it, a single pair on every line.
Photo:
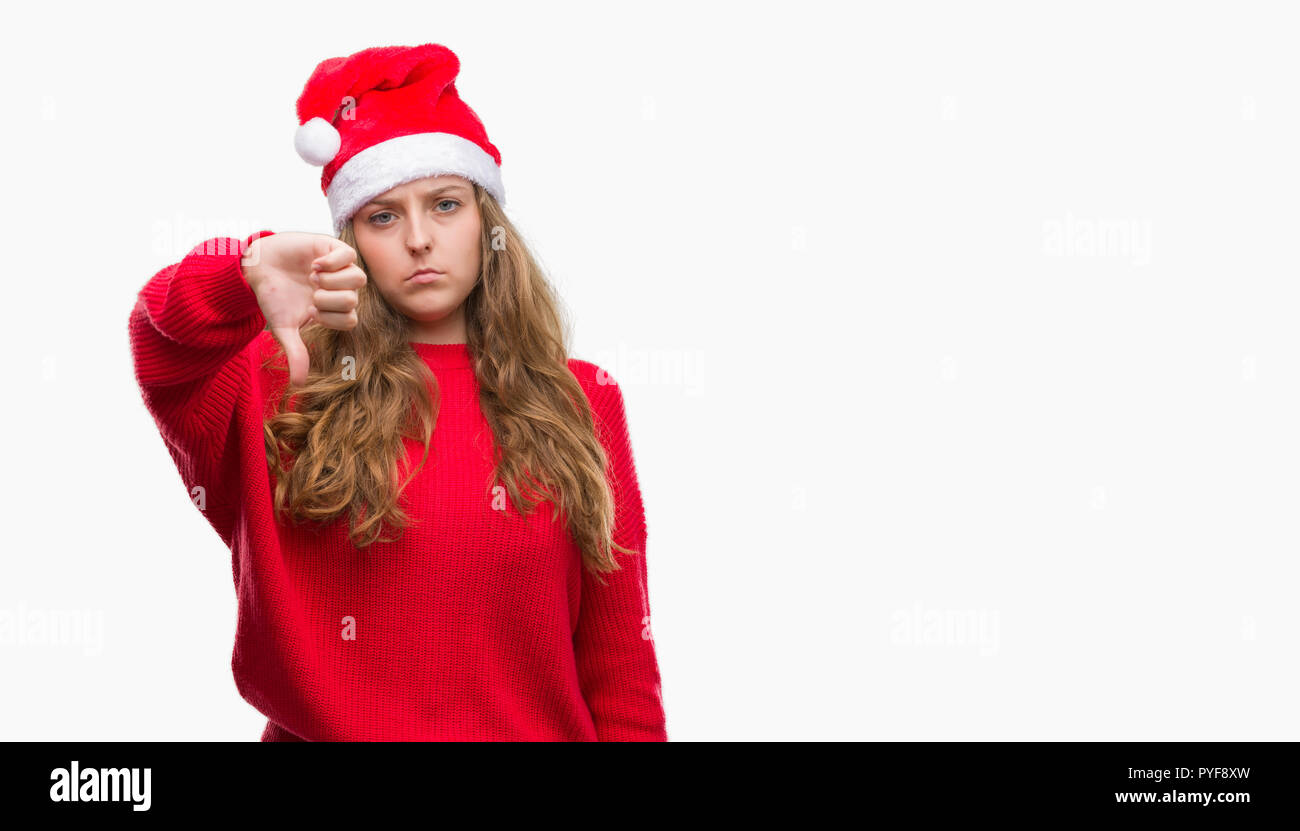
[601,389]
[583,370]
[595,379]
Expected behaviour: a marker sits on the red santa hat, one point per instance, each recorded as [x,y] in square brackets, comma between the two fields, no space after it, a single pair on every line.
[386,116]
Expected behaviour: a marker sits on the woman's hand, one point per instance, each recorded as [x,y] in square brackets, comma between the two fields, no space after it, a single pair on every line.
[302,278]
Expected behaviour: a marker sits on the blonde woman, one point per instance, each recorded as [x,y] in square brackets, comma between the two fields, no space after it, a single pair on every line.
[433,512]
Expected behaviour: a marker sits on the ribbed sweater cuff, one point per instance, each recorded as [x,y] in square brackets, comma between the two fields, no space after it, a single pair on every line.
[219,307]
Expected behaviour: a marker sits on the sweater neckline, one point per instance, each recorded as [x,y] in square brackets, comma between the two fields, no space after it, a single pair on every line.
[444,355]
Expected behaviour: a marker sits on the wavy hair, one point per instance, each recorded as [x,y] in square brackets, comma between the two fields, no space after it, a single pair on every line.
[335,445]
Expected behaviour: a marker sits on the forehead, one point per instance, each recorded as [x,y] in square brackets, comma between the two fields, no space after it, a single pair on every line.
[426,185]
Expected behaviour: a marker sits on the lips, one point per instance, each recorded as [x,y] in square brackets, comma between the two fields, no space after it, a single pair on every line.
[425,275]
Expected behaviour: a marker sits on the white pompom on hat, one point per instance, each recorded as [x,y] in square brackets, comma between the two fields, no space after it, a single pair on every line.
[317,142]
[386,116]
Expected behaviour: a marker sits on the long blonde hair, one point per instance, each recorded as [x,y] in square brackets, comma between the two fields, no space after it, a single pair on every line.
[335,444]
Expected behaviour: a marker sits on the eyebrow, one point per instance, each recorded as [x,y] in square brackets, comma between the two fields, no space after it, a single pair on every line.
[435,192]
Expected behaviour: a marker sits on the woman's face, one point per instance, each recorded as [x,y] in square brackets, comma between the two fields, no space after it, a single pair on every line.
[431,223]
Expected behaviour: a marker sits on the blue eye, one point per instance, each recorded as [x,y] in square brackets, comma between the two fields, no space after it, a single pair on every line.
[389,213]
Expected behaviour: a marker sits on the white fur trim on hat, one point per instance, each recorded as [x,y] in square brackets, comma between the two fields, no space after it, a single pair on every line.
[396,161]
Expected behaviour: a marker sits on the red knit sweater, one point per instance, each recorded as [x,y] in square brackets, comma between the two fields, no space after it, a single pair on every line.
[477,624]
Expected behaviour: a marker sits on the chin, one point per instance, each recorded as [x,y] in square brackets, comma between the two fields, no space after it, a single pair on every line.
[427,314]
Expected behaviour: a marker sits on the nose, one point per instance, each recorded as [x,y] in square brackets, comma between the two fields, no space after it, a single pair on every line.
[419,236]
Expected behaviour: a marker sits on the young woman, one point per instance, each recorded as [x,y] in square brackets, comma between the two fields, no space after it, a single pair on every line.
[433,513]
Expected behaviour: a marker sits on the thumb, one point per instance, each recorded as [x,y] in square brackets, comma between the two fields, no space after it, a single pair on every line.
[295,353]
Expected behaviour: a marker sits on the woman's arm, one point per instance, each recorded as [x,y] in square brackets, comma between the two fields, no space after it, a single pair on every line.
[617,666]
[189,323]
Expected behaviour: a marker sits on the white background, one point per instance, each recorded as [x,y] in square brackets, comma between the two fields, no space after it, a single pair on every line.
[958,343]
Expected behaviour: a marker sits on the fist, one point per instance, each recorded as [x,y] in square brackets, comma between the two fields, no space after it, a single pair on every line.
[302,278]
